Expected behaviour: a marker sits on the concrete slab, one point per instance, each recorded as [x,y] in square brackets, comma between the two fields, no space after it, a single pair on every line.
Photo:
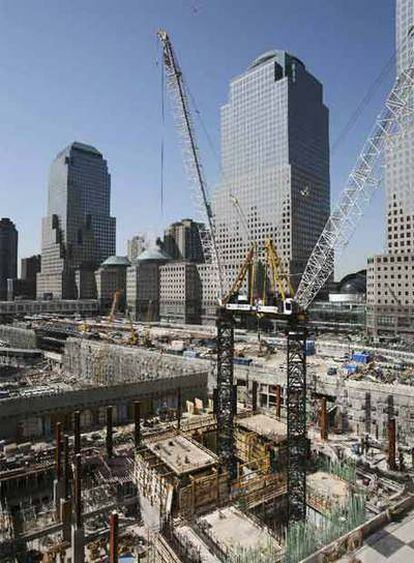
[182,455]
[231,529]
[266,426]
[329,485]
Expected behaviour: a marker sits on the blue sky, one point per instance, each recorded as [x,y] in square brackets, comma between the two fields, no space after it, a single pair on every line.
[87,70]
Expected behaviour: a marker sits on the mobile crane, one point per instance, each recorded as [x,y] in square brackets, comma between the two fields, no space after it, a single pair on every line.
[361,184]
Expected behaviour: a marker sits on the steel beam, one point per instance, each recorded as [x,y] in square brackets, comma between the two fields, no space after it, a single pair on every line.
[225,393]
[296,423]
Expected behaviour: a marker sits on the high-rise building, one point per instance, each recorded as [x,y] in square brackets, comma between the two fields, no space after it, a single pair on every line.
[78,233]
[135,247]
[143,284]
[275,161]
[182,241]
[390,276]
[8,254]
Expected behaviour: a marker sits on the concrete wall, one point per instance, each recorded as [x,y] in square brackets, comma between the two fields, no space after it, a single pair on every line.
[18,337]
[40,413]
[110,364]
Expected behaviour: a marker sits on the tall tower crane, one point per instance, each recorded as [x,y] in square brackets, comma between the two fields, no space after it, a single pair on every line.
[361,184]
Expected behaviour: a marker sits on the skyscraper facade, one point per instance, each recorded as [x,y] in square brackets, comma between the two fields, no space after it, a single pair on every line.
[8,254]
[274,161]
[390,276]
[182,241]
[78,232]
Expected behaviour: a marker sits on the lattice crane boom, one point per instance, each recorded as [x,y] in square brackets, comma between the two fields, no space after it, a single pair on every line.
[179,99]
[361,185]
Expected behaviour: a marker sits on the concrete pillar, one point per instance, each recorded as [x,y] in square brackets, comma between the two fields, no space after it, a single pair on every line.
[391,444]
[77,432]
[254,396]
[113,538]
[109,443]
[137,422]
[278,400]
[324,419]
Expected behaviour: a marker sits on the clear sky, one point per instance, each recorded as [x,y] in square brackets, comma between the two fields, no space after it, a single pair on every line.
[88,70]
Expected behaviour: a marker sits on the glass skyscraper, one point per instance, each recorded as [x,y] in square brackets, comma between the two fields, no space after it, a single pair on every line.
[275,161]
[8,254]
[390,276]
[78,232]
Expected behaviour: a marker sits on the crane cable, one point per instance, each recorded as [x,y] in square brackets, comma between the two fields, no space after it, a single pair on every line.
[162,134]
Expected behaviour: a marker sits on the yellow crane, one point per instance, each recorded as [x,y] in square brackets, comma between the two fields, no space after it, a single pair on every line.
[115,303]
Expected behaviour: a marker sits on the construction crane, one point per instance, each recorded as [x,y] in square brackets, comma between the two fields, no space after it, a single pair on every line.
[133,336]
[290,308]
[115,303]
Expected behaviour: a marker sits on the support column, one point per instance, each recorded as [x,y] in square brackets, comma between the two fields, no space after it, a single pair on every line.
[65,502]
[391,444]
[254,396]
[278,400]
[109,443]
[179,409]
[113,538]
[225,394]
[78,535]
[58,482]
[297,448]
[324,420]
[76,424]
[137,422]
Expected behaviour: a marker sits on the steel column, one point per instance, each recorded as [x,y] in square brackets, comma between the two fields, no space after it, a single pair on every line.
[225,393]
[58,450]
[296,423]
[324,420]
[254,396]
[113,538]
[278,400]
[109,443]
[76,421]
[391,444]
[137,422]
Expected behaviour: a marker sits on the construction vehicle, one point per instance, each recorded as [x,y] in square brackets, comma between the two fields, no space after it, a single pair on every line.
[291,309]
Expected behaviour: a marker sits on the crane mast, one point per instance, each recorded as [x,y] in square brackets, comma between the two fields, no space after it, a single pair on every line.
[178,95]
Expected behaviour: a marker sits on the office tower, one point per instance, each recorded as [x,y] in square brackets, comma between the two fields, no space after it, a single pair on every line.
[78,233]
[275,161]
[182,241]
[8,254]
[111,277]
[135,246]
[25,286]
[180,292]
[30,267]
[143,284]
[390,276]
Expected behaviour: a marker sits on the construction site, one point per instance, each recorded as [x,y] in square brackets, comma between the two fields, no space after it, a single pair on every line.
[141,441]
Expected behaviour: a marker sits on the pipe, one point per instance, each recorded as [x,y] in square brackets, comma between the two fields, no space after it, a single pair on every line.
[78,490]
[113,538]
[58,451]
[77,432]
[137,421]
[109,442]
[324,420]
[278,400]
[254,396]
[391,444]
